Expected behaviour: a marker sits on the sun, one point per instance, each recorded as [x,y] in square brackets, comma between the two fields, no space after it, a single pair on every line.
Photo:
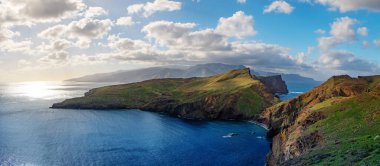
[36,89]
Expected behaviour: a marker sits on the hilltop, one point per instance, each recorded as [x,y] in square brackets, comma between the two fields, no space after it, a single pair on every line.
[336,123]
[232,95]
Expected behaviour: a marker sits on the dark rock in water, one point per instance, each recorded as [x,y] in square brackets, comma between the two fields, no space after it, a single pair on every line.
[234,134]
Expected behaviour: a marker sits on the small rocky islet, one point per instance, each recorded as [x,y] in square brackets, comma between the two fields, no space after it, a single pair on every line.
[336,123]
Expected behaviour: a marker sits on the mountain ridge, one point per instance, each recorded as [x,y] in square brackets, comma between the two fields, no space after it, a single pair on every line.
[200,70]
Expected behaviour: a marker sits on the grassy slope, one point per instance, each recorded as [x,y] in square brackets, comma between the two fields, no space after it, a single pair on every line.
[351,129]
[351,132]
[251,93]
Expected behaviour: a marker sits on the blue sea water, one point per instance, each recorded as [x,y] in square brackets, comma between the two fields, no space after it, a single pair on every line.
[296,89]
[33,134]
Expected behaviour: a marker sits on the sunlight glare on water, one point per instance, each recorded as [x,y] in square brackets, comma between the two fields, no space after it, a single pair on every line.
[39,90]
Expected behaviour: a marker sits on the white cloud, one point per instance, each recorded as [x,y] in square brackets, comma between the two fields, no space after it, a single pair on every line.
[125,21]
[8,44]
[279,7]
[363,31]
[346,61]
[181,36]
[365,44]
[150,8]
[126,44]
[167,29]
[351,5]
[28,12]
[241,1]
[94,12]
[341,31]
[238,25]
[179,43]
[320,31]
[162,31]
[84,31]
[55,57]
[55,45]
[135,8]
[301,57]
[54,32]
[260,55]
[89,28]
[17,46]
[342,27]
[55,51]
[6,34]
[341,61]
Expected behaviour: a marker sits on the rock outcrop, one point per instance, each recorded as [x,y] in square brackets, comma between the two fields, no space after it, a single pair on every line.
[318,126]
[275,84]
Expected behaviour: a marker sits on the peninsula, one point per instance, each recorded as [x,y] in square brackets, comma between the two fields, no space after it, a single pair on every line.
[234,95]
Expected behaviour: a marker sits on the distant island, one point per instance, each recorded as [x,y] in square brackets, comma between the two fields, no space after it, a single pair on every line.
[336,123]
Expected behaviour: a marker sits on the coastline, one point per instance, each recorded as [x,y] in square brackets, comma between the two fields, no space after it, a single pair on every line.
[259,124]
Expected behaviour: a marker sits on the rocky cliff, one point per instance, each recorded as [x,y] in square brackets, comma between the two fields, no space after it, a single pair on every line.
[336,123]
[275,84]
[232,95]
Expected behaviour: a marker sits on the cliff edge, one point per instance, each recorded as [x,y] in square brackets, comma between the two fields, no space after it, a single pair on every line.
[336,123]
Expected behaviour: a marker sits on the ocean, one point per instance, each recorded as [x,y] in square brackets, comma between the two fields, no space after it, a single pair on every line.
[33,134]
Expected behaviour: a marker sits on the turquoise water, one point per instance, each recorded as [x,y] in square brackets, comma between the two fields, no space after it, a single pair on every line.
[33,134]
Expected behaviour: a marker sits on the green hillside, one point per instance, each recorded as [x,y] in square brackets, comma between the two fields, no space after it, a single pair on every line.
[232,95]
[337,123]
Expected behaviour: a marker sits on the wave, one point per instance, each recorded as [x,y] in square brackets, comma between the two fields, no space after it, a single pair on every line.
[229,135]
[296,92]
[259,124]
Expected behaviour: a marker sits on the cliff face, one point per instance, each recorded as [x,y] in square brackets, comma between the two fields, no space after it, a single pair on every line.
[232,95]
[275,84]
[336,123]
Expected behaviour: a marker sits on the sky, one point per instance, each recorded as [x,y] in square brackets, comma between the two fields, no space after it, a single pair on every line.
[43,40]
